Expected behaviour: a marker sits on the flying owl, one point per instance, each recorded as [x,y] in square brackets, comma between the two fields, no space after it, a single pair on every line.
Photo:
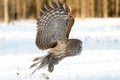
[53,28]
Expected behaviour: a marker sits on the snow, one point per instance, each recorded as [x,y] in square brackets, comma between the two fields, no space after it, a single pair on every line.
[99,60]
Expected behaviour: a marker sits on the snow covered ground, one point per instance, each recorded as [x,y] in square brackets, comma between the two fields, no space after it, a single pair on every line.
[99,60]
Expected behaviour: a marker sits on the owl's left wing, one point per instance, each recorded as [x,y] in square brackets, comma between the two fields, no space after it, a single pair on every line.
[54,23]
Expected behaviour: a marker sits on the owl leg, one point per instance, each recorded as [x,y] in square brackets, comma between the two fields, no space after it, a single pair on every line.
[49,60]
[50,67]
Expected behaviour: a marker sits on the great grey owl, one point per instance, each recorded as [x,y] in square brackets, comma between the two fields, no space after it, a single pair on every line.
[53,28]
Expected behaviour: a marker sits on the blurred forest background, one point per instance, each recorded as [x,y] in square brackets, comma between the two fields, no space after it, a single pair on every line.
[30,9]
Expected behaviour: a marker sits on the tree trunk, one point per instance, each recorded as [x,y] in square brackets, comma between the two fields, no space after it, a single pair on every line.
[17,14]
[24,9]
[117,8]
[77,8]
[105,8]
[92,8]
[38,7]
[6,11]
[83,8]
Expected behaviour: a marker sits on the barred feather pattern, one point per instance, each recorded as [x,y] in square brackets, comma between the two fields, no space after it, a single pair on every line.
[53,28]
[52,25]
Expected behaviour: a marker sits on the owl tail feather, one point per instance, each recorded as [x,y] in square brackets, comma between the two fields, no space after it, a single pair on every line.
[48,60]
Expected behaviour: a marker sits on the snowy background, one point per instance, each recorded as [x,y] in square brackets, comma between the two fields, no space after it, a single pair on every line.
[99,60]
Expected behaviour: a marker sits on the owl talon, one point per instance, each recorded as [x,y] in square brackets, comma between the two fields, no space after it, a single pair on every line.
[50,67]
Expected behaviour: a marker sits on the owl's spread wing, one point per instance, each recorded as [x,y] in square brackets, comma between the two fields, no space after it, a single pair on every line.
[54,23]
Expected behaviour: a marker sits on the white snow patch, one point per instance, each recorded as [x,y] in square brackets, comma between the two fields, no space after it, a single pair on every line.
[99,60]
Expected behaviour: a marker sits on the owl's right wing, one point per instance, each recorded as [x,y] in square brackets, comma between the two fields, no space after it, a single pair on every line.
[52,25]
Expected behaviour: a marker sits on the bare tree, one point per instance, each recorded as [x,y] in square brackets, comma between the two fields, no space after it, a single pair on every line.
[117,8]
[38,7]
[16,9]
[24,9]
[92,8]
[12,9]
[77,8]
[105,8]
[83,8]
[17,14]
[6,11]
[98,8]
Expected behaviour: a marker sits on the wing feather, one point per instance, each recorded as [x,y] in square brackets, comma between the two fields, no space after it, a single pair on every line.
[52,25]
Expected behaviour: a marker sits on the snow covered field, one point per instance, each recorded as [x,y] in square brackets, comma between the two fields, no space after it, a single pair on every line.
[99,60]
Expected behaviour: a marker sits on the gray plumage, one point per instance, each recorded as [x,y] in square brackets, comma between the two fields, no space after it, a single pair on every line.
[53,28]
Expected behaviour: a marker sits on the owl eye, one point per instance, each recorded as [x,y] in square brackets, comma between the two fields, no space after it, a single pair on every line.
[71,16]
[79,47]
